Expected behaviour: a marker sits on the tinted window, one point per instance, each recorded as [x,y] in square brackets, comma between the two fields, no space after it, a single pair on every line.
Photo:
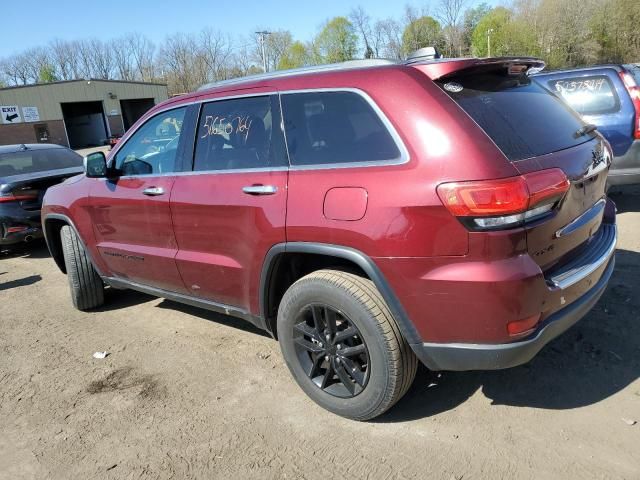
[587,95]
[31,161]
[153,148]
[334,127]
[522,118]
[238,134]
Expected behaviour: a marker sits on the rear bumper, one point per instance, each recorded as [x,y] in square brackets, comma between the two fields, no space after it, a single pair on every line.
[29,225]
[625,170]
[467,356]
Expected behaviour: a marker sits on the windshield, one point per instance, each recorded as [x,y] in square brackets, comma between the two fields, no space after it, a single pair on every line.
[522,118]
[33,161]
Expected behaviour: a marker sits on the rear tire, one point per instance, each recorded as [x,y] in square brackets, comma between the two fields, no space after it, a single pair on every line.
[87,289]
[384,367]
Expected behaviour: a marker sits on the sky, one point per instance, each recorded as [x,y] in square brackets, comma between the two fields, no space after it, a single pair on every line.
[31,23]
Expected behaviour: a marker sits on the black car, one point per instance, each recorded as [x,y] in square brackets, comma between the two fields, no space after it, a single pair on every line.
[26,171]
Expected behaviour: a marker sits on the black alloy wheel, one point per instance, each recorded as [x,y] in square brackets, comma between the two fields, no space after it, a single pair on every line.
[331,350]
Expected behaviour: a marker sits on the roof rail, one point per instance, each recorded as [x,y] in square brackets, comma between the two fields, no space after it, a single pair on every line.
[331,67]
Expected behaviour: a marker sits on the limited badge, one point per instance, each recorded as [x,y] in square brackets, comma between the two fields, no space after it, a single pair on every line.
[453,87]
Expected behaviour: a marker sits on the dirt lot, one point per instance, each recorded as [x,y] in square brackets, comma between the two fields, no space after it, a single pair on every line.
[191,394]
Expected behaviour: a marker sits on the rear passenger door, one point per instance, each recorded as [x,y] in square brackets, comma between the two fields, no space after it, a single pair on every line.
[230,210]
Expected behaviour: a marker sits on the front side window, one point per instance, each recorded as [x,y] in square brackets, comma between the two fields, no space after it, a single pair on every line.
[334,127]
[587,95]
[238,134]
[153,148]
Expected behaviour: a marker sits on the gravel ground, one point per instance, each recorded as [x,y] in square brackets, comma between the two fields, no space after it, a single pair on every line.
[186,393]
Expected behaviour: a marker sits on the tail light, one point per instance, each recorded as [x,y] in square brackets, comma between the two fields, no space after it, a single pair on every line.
[19,197]
[505,202]
[634,92]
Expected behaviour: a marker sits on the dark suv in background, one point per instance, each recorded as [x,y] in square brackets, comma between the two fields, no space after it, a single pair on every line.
[368,214]
[607,96]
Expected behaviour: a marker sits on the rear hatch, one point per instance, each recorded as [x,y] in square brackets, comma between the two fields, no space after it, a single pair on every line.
[538,132]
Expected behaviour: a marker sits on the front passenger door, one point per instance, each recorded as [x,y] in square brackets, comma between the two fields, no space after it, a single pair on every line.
[130,209]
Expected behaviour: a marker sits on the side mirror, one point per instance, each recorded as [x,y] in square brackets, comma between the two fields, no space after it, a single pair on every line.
[95,165]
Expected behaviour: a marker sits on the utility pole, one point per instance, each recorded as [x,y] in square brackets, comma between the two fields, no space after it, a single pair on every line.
[489,32]
[263,34]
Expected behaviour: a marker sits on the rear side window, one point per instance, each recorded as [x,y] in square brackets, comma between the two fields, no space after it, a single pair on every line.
[522,118]
[587,95]
[333,128]
[32,161]
[238,134]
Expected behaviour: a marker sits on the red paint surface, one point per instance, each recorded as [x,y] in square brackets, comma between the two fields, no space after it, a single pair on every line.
[209,239]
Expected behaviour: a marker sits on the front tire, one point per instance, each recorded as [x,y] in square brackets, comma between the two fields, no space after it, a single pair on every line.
[343,346]
[87,289]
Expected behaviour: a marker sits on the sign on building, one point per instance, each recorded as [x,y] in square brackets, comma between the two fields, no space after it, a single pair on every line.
[10,114]
[30,114]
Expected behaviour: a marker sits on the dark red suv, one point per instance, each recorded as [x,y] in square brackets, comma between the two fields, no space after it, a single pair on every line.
[368,215]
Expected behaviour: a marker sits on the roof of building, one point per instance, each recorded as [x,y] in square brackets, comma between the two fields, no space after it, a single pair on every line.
[82,80]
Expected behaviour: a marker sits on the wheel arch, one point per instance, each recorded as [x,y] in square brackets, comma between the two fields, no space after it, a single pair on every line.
[52,223]
[345,257]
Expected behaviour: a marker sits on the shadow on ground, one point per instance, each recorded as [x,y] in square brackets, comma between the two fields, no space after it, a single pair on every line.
[627,198]
[227,320]
[35,249]
[595,359]
[20,282]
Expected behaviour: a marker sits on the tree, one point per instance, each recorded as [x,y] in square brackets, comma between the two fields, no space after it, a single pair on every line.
[496,22]
[387,36]
[336,42]
[470,21]
[297,55]
[449,13]
[47,74]
[362,24]
[422,32]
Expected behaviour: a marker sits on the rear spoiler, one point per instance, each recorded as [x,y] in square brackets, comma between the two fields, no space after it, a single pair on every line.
[441,68]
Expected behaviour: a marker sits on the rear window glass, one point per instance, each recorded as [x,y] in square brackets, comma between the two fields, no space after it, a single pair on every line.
[334,127]
[587,95]
[32,161]
[522,118]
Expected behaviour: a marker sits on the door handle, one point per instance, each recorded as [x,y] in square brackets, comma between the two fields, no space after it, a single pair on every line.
[260,189]
[153,191]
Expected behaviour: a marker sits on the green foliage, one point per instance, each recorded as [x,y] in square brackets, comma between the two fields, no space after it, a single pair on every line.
[422,32]
[47,74]
[295,56]
[496,25]
[336,42]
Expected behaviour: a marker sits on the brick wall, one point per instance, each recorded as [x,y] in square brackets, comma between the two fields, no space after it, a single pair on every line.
[26,133]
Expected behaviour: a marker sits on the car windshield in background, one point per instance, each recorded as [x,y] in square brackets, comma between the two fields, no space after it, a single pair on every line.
[590,95]
[32,161]
[523,119]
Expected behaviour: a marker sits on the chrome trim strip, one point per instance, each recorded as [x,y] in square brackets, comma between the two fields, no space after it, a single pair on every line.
[588,269]
[404,153]
[584,218]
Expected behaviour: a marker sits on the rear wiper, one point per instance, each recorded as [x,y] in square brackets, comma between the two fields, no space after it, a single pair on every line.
[590,127]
